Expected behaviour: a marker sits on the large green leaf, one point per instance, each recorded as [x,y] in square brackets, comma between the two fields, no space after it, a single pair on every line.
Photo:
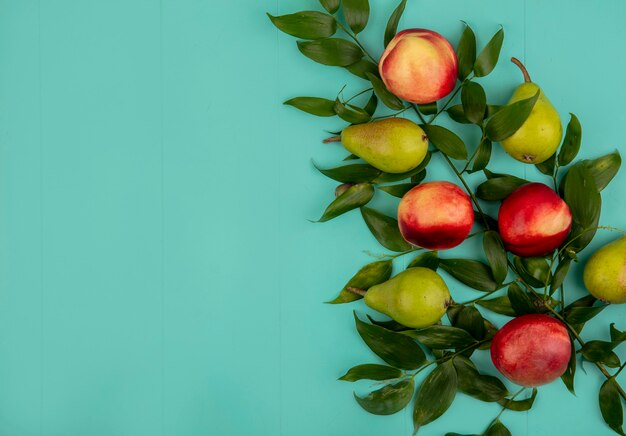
[474,274]
[519,405]
[471,382]
[400,190]
[488,57]
[547,167]
[357,14]
[396,349]
[435,395]
[571,142]
[354,197]
[559,275]
[362,67]
[521,302]
[353,173]
[394,20]
[501,305]
[446,141]
[483,155]
[306,24]
[496,255]
[389,100]
[466,52]
[601,351]
[604,168]
[509,119]
[582,196]
[430,260]
[388,400]
[385,230]
[351,113]
[611,405]
[368,276]
[498,188]
[331,51]
[570,372]
[469,319]
[371,371]
[474,102]
[498,429]
[322,107]
[442,337]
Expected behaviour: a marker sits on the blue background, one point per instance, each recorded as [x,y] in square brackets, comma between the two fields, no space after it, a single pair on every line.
[158,275]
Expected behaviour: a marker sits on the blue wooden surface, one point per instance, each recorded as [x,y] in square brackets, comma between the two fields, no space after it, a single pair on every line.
[158,274]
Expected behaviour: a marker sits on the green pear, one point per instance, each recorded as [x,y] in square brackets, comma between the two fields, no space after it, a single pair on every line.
[605,272]
[417,297]
[393,145]
[540,135]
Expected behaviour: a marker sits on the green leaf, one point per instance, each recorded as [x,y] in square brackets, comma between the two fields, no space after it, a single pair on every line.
[389,100]
[441,337]
[520,405]
[401,189]
[357,14]
[601,351]
[392,24]
[571,142]
[428,108]
[392,325]
[371,105]
[469,319]
[388,400]
[371,371]
[509,119]
[457,114]
[483,156]
[466,52]
[498,429]
[570,372]
[499,188]
[547,167]
[582,196]
[322,107]
[331,51]
[446,141]
[306,24]
[474,102]
[559,275]
[580,315]
[354,197]
[611,405]
[350,113]
[520,300]
[471,382]
[362,67]
[396,349]
[368,276]
[429,260]
[330,5]
[536,269]
[501,305]
[496,255]
[354,173]
[474,274]
[488,57]
[435,395]
[617,335]
[385,230]
[604,168]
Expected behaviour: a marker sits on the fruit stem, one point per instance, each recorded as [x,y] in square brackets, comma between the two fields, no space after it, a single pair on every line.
[332,139]
[521,66]
[356,291]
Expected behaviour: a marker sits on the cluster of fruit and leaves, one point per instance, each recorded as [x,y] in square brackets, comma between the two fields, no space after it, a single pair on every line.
[528,249]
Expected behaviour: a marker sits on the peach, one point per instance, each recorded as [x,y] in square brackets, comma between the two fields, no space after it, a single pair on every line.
[531,350]
[435,215]
[419,66]
[533,220]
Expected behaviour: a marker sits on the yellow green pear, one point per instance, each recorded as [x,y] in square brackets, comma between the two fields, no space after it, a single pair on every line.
[393,145]
[540,135]
[417,297]
[605,272]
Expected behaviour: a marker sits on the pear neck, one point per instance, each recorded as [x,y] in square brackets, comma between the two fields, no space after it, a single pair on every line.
[521,66]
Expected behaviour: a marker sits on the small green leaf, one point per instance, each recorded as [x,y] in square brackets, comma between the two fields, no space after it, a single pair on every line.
[582,196]
[385,230]
[571,142]
[331,51]
[466,52]
[356,13]
[611,405]
[396,349]
[510,118]
[354,173]
[559,275]
[371,371]
[604,168]
[354,197]
[498,429]
[474,102]
[617,335]
[322,107]
[520,300]
[547,167]
[580,315]
[371,105]
[469,319]
[306,24]
[392,24]
[429,260]
[536,268]
[600,351]
[392,325]
[368,276]
[388,400]
[435,395]
[520,405]
[570,372]
[499,188]
[483,156]
[471,382]
[400,190]
[362,67]
[474,274]
[496,255]
[428,108]
[501,305]
[456,113]
[446,141]
[488,57]
[350,113]
[330,5]
[441,337]
[389,100]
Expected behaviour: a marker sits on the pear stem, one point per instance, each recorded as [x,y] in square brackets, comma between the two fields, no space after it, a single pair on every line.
[332,139]
[356,291]
[521,66]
